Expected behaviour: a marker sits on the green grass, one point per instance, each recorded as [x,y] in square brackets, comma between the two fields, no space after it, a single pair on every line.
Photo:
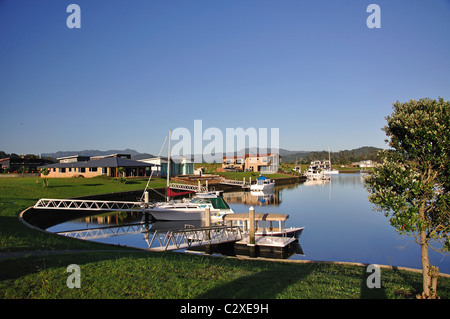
[173,275]
[16,194]
[120,274]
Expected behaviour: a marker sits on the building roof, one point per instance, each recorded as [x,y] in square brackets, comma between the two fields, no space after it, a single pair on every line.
[258,217]
[251,155]
[103,162]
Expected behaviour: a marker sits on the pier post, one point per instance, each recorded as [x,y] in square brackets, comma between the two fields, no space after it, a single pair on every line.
[251,244]
[146,197]
[208,248]
[251,213]
[207,217]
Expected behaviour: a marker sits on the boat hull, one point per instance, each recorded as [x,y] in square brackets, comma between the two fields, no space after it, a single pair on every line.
[192,214]
[295,232]
[264,187]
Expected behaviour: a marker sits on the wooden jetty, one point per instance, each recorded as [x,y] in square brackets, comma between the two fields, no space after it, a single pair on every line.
[260,237]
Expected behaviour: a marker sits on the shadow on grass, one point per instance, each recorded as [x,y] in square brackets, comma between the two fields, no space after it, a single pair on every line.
[15,268]
[265,284]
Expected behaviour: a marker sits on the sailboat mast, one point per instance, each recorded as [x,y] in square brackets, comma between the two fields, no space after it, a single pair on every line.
[168,164]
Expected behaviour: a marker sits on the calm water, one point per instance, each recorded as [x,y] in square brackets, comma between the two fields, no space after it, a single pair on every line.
[339,221]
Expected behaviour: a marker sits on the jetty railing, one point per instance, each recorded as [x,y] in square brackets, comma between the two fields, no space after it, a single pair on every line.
[161,240]
[188,187]
[93,205]
[105,232]
[243,183]
[192,237]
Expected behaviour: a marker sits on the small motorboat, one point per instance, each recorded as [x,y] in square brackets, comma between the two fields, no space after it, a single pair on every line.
[262,184]
[266,224]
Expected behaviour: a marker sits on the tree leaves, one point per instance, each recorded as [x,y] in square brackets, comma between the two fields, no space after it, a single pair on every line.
[412,185]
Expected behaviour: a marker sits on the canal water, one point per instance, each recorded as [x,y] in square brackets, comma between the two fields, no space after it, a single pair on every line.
[340,223]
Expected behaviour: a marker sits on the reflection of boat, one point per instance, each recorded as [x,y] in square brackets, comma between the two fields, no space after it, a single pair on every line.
[192,209]
[262,184]
[263,197]
[264,224]
[314,182]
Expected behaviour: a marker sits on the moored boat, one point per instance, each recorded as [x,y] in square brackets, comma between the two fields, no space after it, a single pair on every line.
[191,209]
[266,224]
[262,184]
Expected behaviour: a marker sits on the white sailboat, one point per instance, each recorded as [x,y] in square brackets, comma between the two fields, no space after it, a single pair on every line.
[189,209]
[328,170]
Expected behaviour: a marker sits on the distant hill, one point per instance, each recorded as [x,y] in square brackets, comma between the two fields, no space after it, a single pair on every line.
[340,157]
[305,157]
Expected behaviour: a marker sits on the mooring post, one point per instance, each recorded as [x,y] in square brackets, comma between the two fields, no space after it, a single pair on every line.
[207,217]
[251,244]
[208,248]
[146,197]
[251,212]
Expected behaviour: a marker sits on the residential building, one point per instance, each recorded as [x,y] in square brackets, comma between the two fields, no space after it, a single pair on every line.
[115,165]
[181,166]
[22,164]
[263,163]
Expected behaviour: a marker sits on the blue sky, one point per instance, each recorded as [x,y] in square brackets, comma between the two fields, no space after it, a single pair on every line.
[136,68]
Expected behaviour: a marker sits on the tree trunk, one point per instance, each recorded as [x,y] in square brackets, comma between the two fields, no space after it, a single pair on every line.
[426,271]
[430,274]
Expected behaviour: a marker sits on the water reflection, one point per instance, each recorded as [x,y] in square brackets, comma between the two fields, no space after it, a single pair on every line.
[254,198]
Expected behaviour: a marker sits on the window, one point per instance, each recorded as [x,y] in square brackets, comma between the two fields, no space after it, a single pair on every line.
[81,170]
[62,169]
[92,169]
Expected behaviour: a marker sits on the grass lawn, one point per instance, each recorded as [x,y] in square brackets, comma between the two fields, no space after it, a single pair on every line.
[137,274]
[186,276]
[16,194]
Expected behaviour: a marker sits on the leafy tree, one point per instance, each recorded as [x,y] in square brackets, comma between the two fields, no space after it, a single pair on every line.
[44,171]
[412,184]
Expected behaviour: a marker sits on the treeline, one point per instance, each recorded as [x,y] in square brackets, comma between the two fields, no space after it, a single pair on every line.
[14,155]
[345,157]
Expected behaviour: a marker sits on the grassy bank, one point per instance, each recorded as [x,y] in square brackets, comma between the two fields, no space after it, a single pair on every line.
[119,274]
[174,275]
[19,193]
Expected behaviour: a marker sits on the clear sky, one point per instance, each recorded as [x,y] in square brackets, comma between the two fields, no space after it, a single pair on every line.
[136,68]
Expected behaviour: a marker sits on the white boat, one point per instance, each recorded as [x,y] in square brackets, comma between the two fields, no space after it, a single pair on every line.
[314,172]
[327,170]
[262,184]
[266,224]
[318,170]
[191,209]
[188,209]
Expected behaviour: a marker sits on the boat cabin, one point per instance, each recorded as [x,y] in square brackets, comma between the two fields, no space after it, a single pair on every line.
[264,222]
